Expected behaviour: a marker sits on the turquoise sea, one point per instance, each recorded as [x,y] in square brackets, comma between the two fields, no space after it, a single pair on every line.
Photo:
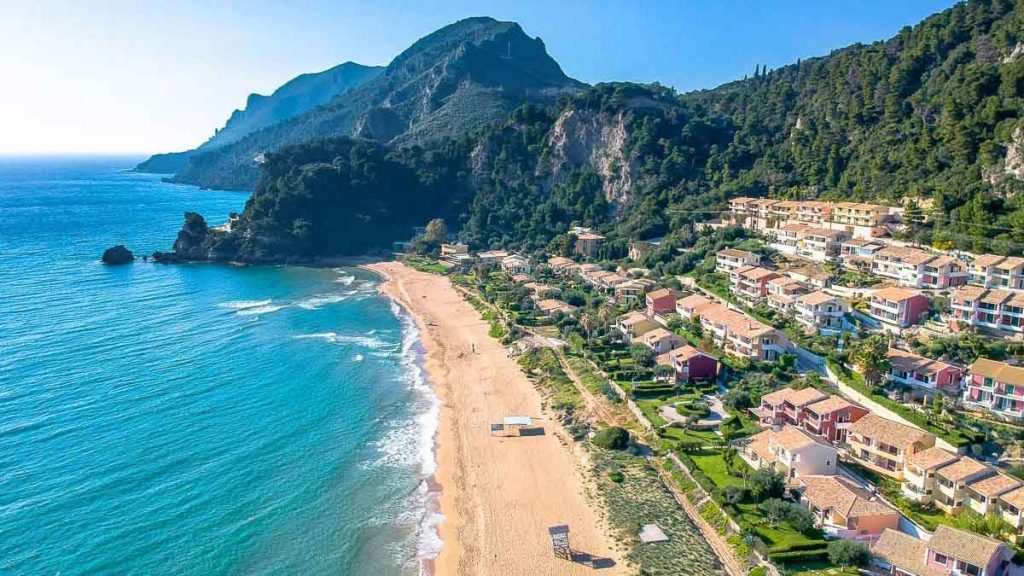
[198,419]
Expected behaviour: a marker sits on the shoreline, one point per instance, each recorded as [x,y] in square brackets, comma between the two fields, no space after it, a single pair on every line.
[497,495]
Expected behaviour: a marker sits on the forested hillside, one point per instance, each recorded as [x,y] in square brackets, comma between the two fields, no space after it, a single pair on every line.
[933,114]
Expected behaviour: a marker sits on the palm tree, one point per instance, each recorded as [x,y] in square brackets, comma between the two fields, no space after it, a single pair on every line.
[588,322]
[869,356]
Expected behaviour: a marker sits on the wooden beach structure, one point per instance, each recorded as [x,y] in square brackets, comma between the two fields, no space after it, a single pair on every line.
[513,425]
[560,541]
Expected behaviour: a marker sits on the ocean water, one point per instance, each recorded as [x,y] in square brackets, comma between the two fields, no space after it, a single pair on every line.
[197,419]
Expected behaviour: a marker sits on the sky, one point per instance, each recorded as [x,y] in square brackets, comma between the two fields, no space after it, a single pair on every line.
[97,77]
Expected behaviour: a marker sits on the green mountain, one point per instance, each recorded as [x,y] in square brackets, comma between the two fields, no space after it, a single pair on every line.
[452,82]
[298,95]
[933,113]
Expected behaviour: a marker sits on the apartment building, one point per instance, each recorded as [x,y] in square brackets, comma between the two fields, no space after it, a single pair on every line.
[919,473]
[787,238]
[925,374]
[983,495]
[587,243]
[950,551]
[551,306]
[750,283]
[793,452]
[883,445]
[821,312]
[786,406]
[1011,508]
[735,332]
[632,290]
[661,340]
[844,509]
[634,324]
[515,264]
[782,293]
[562,266]
[898,308]
[831,418]
[855,219]
[690,364]
[821,244]
[915,268]
[662,301]
[996,387]
[999,311]
[950,488]
[991,271]
[731,259]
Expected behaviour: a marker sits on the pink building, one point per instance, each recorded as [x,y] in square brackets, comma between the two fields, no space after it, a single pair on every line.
[996,387]
[786,406]
[897,307]
[844,509]
[830,418]
[924,373]
[1000,311]
[661,301]
[949,551]
[690,364]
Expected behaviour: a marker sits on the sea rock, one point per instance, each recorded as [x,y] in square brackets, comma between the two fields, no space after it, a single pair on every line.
[117,255]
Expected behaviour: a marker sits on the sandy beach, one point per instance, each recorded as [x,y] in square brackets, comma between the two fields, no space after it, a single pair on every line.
[499,495]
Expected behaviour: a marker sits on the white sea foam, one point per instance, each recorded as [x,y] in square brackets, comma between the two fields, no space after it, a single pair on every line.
[369,342]
[357,358]
[267,309]
[427,497]
[345,280]
[320,300]
[243,304]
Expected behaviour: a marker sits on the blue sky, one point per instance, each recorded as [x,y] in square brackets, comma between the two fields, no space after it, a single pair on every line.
[91,76]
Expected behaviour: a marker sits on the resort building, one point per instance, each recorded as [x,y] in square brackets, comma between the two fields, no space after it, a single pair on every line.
[919,473]
[735,332]
[782,293]
[998,311]
[950,489]
[983,495]
[750,283]
[661,340]
[822,415]
[634,324]
[924,374]
[731,259]
[453,249]
[854,219]
[821,312]
[1011,508]
[821,244]
[550,307]
[844,509]
[562,266]
[916,268]
[515,264]
[959,552]
[587,243]
[786,239]
[786,406]
[539,290]
[633,290]
[898,308]
[991,271]
[661,302]
[491,257]
[831,418]
[996,387]
[883,445]
[950,551]
[791,451]
[690,364]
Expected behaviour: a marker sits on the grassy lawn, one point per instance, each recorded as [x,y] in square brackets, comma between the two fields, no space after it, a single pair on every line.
[425,264]
[779,537]
[819,568]
[713,466]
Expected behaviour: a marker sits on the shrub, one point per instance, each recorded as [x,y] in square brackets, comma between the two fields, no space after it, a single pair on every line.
[616,476]
[612,438]
[848,553]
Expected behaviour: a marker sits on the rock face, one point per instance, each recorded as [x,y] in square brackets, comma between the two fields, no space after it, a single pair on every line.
[117,255]
[582,138]
[196,242]
[1015,155]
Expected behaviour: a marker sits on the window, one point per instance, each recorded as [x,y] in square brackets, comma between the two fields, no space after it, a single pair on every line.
[941,559]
